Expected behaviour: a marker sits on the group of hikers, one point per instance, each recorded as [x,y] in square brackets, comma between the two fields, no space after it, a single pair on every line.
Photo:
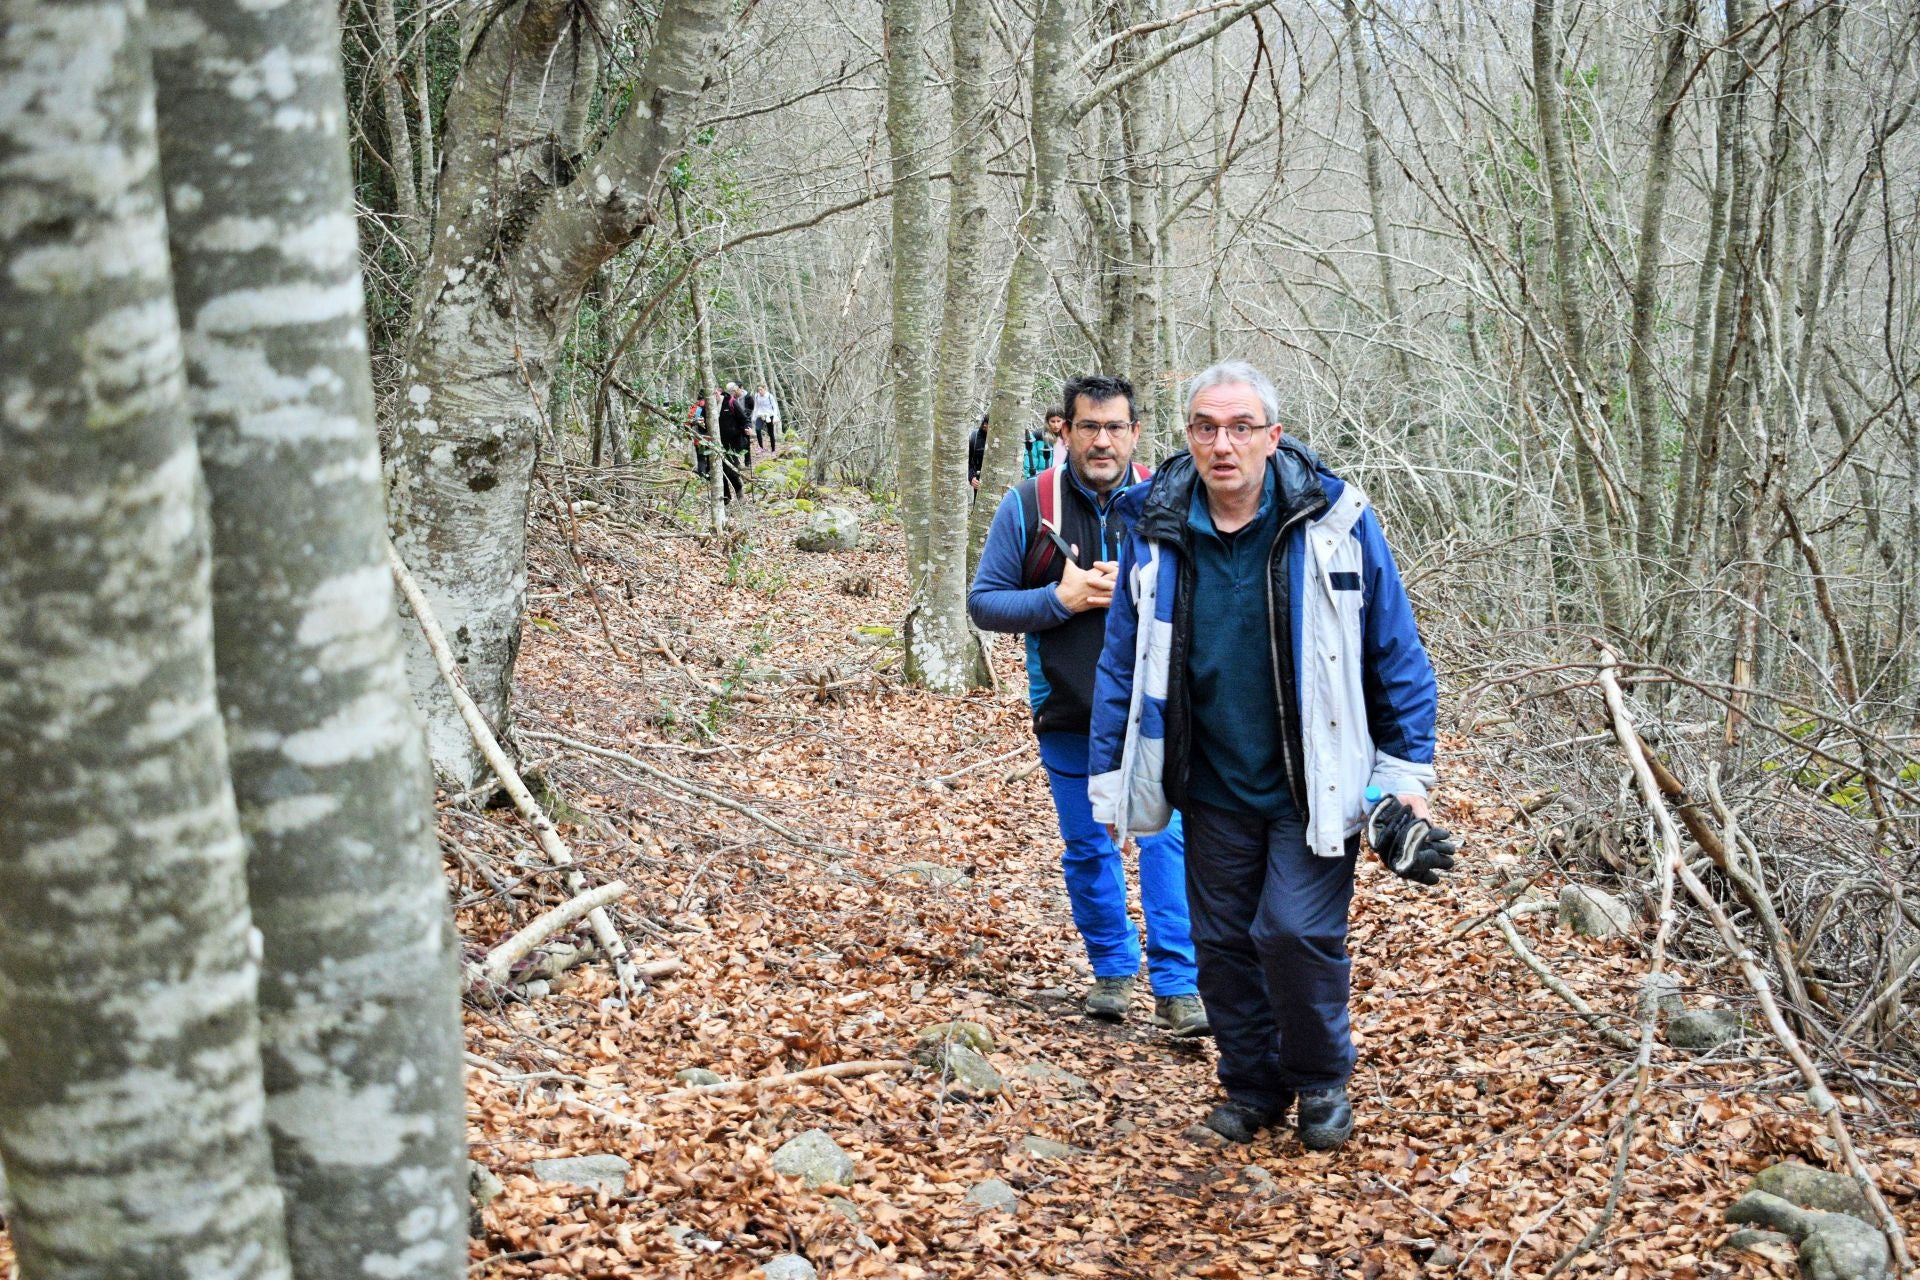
[745,420]
[1223,665]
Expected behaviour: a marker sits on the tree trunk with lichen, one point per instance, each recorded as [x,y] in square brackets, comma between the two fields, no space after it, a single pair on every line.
[522,221]
[131,1097]
[943,651]
[360,1025]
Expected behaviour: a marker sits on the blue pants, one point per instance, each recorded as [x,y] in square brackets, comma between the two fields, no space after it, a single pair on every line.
[1270,927]
[1096,877]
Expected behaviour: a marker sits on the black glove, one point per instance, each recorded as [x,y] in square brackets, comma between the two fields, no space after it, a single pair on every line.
[1411,847]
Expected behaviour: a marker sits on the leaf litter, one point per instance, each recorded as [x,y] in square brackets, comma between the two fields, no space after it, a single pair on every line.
[1486,1136]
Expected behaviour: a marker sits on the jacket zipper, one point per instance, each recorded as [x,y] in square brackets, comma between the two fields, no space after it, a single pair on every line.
[1279,625]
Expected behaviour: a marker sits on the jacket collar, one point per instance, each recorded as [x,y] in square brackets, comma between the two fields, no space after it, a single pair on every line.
[1299,484]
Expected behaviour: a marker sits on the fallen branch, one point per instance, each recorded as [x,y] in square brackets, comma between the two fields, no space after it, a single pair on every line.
[544,834]
[836,1071]
[1818,1095]
[946,778]
[1673,860]
[1551,982]
[499,962]
[691,788]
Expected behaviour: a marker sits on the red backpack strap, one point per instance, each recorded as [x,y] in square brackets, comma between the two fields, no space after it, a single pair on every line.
[1043,539]
[1140,473]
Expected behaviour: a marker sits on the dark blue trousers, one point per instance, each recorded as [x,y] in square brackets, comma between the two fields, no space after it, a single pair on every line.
[1269,921]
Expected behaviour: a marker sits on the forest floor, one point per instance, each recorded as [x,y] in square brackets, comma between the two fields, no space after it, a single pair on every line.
[1488,1114]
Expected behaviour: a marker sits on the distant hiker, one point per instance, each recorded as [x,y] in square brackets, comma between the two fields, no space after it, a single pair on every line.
[1047,570]
[766,419]
[976,452]
[1041,448]
[1056,436]
[697,428]
[735,437]
[1261,671]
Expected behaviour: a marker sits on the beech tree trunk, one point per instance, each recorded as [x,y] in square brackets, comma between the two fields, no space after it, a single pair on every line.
[943,651]
[360,1025]
[1140,129]
[1018,351]
[522,221]
[910,353]
[130,1082]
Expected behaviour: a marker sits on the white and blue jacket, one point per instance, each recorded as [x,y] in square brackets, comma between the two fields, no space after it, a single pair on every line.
[1357,693]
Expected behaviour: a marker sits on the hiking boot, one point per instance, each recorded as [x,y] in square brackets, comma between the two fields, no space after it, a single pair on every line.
[1326,1118]
[1183,1016]
[1238,1122]
[1109,999]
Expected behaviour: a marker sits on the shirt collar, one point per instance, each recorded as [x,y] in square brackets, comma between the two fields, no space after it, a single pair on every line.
[1099,501]
[1200,516]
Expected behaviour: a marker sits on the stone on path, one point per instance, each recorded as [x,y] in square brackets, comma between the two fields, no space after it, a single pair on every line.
[1701,1029]
[815,1158]
[966,1071]
[1593,912]
[830,529]
[974,1035]
[993,1194]
[1812,1188]
[1047,1073]
[602,1173]
[1833,1246]
[788,1266]
[698,1075]
[1049,1148]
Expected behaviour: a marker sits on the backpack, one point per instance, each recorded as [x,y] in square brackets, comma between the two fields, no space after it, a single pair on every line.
[1043,538]
[1038,455]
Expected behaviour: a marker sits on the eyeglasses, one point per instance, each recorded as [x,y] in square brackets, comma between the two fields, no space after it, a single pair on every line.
[1093,430]
[1238,432]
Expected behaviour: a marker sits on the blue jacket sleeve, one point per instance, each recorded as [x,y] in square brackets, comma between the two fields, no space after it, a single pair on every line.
[999,600]
[1113,678]
[1402,695]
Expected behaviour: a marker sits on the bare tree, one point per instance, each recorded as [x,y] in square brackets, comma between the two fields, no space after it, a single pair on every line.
[526,210]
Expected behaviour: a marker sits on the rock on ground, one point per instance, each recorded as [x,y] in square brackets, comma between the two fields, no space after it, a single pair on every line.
[788,1266]
[815,1158]
[1594,912]
[698,1075]
[1050,1149]
[1833,1246]
[830,529]
[1812,1188]
[974,1035]
[993,1194]
[602,1173]
[1701,1029]
[965,1070]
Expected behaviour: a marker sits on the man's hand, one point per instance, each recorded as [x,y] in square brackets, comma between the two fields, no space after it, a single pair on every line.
[1084,589]
[1401,831]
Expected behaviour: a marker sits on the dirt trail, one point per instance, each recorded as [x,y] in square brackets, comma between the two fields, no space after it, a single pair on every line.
[1484,1142]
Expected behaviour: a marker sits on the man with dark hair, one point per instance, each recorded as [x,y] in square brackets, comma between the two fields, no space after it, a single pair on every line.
[1048,570]
[1263,676]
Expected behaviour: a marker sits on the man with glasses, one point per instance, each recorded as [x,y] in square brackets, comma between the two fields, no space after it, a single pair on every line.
[1048,570]
[1261,675]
